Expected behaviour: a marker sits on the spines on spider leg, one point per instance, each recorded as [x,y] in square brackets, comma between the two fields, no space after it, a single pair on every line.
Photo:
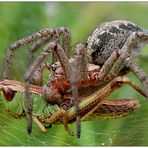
[37,78]
[126,56]
[47,49]
[107,66]
[110,37]
[65,44]
[61,51]
[130,46]
[66,39]
[74,80]
[21,42]
[138,72]
[82,61]
[34,66]
[36,46]
[127,60]
[28,76]
[79,72]
[62,57]
[54,58]
[46,65]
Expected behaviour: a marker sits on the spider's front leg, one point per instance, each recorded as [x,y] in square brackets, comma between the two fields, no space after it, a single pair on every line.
[21,42]
[41,38]
[61,35]
[64,62]
[37,79]
[28,77]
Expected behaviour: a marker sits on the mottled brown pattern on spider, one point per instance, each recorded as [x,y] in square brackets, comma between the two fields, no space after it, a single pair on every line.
[109,37]
[110,50]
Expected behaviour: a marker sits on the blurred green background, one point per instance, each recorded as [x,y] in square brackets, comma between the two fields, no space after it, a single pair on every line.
[19,19]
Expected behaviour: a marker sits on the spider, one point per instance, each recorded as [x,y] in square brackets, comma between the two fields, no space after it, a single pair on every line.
[108,53]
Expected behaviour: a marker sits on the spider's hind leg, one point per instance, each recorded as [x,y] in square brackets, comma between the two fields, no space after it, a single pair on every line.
[120,58]
[125,57]
[138,72]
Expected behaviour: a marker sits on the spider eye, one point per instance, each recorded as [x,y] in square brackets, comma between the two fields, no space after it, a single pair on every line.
[54,67]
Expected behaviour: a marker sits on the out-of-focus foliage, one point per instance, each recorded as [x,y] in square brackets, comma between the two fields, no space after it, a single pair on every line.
[21,19]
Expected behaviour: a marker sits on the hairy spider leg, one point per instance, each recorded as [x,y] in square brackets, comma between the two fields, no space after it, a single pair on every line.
[113,65]
[79,72]
[41,37]
[39,43]
[134,38]
[52,46]
[80,55]
[37,78]
[137,71]
[66,40]
[75,96]
[21,42]
[60,33]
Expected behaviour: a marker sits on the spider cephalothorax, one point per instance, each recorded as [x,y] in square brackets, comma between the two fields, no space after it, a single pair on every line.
[110,50]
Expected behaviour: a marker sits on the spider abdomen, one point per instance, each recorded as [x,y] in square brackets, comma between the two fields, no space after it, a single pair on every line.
[109,37]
